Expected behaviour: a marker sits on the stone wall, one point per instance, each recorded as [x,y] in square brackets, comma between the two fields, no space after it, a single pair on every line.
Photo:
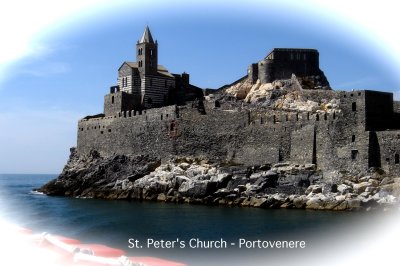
[389,150]
[332,141]
[282,63]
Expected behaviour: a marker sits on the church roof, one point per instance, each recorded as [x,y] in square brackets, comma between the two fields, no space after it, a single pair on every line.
[161,70]
[146,37]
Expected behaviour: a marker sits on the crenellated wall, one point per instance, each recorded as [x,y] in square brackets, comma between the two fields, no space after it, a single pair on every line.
[335,140]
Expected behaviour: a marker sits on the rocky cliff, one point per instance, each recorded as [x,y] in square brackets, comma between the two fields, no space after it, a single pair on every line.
[284,94]
[198,181]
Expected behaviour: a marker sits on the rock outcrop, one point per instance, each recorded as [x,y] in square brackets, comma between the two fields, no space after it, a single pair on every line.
[197,181]
[284,94]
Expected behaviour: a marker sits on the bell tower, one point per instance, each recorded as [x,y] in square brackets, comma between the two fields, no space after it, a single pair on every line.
[147,53]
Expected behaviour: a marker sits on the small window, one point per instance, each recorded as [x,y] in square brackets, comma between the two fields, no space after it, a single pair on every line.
[161,117]
[101,132]
[354,106]
[261,120]
[325,116]
[354,154]
[359,94]
[353,138]
[317,117]
[112,99]
[396,158]
[109,130]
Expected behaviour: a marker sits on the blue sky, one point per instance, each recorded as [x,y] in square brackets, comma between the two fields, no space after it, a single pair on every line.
[75,61]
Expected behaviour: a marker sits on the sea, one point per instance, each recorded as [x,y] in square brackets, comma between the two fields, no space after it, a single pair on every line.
[119,224]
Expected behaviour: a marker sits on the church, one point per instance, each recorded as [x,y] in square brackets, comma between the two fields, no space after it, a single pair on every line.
[145,84]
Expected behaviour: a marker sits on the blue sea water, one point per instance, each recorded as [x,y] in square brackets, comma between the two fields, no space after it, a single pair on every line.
[114,222]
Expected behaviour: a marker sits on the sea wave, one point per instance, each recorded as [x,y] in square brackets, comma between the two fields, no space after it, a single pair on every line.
[34,192]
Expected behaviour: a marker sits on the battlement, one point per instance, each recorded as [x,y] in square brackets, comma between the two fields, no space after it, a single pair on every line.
[140,116]
[349,130]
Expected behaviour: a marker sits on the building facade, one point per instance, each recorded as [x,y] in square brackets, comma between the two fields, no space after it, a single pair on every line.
[145,84]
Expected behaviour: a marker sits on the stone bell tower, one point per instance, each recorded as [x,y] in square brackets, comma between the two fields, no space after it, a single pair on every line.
[147,53]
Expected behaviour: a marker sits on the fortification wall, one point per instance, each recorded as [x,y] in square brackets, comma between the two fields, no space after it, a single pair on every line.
[282,63]
[251,137]
[129,132]
[389,151]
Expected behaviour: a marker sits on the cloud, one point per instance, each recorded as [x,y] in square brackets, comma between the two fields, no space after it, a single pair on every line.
[24,24]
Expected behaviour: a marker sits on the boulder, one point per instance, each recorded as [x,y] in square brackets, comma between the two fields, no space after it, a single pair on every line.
[161,197]
[314,204]
[360,187]
[300,202]
[197,189]
[386,181]
[221,179]
[344,189]
[314,189]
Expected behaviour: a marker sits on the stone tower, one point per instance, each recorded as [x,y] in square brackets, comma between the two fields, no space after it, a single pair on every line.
[147,53]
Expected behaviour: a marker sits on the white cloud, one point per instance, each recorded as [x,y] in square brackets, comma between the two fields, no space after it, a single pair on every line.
[23,24]
[376,20]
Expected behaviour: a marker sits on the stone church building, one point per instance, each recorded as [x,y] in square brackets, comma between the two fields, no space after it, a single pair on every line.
[145,84]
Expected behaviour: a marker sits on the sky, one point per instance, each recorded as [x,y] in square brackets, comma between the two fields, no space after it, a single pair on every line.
[58,58]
